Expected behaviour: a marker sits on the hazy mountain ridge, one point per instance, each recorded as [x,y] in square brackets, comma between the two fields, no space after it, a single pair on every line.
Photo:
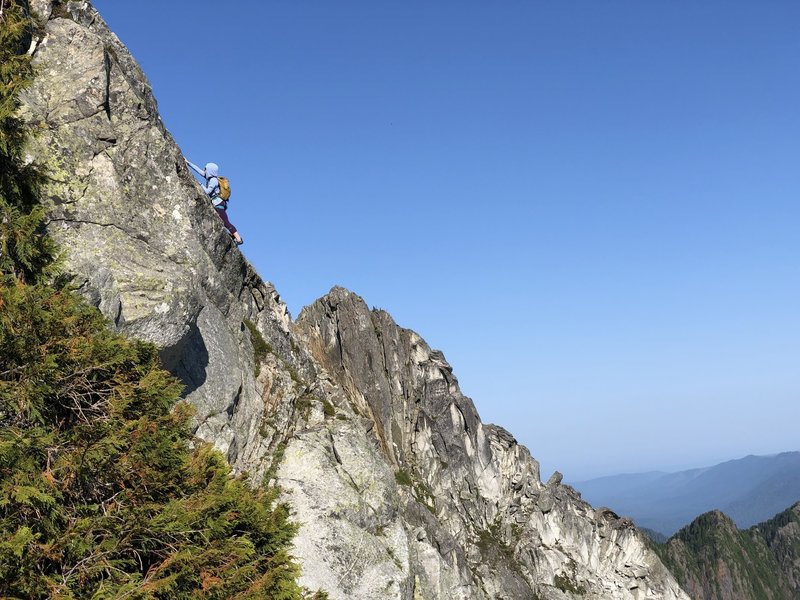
[749,490]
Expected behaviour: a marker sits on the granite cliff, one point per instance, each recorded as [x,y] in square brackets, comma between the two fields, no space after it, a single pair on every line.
[401,490]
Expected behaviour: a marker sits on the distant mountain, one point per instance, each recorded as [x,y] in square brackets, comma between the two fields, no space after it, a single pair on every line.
[748,490]
[713,560]
[655,536]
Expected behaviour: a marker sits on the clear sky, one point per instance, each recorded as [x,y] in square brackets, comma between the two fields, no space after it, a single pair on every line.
[590,207]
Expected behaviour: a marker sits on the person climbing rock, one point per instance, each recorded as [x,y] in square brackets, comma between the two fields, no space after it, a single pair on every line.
[218,190]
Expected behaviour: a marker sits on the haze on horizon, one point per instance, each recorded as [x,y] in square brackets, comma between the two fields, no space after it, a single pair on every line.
[591,208]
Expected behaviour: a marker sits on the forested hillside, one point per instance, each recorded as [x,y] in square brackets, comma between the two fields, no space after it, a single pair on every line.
[714,560]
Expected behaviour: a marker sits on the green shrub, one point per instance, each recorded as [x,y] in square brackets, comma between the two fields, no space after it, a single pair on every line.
[568,583]
[99,492]
[327,409]
[260,346]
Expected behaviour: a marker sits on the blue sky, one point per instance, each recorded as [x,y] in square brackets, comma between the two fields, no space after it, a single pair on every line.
[590,207]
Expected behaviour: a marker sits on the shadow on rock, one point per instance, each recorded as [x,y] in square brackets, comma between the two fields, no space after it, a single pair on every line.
[188,360]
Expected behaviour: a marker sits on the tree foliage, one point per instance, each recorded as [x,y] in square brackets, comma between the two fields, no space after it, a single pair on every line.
[104,493]
[100,494]
[713,559]
[25,250]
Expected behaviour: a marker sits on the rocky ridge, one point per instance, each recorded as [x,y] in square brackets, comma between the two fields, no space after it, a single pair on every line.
[401,490]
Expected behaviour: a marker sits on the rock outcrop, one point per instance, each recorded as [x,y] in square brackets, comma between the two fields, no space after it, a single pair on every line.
[401,490]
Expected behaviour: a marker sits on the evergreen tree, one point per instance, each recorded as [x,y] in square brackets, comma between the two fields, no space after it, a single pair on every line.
[25,250]
[100,495]
[103,491]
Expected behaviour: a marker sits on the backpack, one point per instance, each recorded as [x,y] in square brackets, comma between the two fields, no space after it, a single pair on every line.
[224,188]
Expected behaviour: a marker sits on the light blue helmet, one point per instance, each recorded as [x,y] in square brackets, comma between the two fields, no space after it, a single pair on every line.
[212,170]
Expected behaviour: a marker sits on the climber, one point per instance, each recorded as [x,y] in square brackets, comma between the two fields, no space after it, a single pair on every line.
[212,188]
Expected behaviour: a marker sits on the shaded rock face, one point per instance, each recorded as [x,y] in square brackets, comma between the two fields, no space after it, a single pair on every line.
[401,491]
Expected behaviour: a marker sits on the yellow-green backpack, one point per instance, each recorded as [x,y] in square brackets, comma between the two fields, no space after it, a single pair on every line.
[224,188]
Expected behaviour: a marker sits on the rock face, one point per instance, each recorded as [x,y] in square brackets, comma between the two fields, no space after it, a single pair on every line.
[716,561]
[478,521]
[401,491]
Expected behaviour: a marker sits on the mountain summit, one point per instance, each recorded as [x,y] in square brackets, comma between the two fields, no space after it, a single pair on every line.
[716,561]
[400,489]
